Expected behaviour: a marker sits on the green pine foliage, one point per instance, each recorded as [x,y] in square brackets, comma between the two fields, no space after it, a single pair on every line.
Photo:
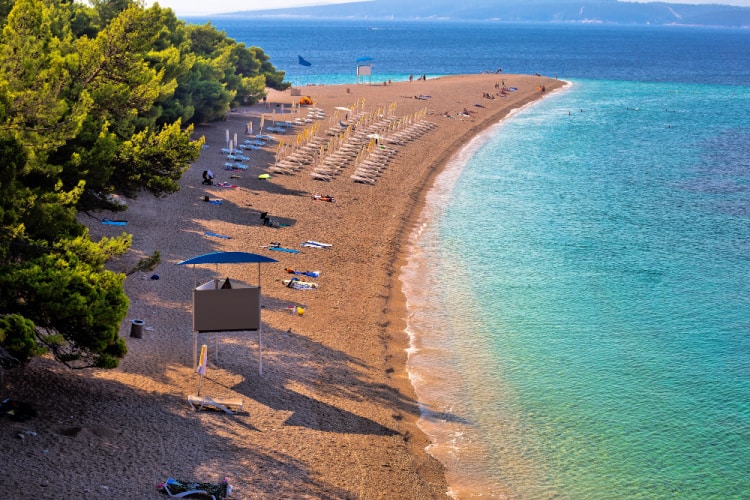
[96,99]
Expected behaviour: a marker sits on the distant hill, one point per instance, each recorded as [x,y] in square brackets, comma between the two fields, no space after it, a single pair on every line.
[563,11]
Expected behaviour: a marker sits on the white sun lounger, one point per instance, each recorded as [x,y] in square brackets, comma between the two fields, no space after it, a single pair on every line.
[227,405]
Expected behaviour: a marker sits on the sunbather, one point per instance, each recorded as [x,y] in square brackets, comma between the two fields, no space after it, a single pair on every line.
[208,177]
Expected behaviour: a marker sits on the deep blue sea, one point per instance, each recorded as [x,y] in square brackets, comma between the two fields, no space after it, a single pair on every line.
[579,284]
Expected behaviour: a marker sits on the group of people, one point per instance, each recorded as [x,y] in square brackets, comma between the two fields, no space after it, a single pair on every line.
[423,77]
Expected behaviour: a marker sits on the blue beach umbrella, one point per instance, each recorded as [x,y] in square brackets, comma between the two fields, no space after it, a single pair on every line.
[228,258]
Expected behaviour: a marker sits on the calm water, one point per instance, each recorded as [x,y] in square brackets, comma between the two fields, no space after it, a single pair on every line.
[579,287]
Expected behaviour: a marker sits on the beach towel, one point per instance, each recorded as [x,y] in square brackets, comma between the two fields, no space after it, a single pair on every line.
[312,274]
[278,248]
[273,223]
[216,235]
[179,489]
[264,176]
[227,185]
[298,284]
[111,222]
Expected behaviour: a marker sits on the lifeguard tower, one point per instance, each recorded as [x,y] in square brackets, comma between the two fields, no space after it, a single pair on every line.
[224,305]
[364,68]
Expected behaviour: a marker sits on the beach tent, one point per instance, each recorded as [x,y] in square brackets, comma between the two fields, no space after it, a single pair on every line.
[224,305]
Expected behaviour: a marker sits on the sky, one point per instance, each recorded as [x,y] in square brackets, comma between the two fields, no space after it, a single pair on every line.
[201,7]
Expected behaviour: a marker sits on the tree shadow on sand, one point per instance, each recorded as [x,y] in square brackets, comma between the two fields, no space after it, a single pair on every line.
[93,438]
[342,375]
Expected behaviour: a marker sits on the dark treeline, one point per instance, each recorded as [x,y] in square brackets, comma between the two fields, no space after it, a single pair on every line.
[96,100]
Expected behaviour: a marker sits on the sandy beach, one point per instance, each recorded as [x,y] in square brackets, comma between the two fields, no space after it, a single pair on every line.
[334,414]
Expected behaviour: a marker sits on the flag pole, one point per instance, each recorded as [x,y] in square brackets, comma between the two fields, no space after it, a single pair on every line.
[302,62]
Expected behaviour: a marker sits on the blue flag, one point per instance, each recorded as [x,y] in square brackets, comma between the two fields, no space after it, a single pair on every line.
[303,62]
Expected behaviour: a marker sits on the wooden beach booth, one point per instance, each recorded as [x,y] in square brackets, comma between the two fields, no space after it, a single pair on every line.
[224,305]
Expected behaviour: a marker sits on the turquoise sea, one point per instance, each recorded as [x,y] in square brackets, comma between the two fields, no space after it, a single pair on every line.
[582,276]
[579,283]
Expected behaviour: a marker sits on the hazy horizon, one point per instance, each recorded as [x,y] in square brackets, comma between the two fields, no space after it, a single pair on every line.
[199,7]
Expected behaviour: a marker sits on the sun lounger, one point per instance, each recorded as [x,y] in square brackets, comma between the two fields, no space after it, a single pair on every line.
[321,177]
[227,405]
[280,170]
[362,180]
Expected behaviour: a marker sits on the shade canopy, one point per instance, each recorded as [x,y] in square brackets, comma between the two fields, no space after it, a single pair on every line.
[228,258]
[364,59]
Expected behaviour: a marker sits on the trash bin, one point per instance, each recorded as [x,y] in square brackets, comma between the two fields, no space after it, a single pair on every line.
[136,328]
